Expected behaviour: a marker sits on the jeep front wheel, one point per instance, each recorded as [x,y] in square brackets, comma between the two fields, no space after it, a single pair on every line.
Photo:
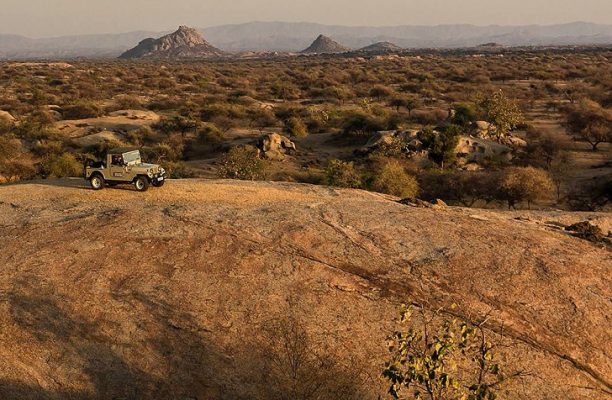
[141,183]
[159,184]
[97,182]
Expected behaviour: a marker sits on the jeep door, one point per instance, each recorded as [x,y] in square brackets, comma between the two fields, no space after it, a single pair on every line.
[117,168]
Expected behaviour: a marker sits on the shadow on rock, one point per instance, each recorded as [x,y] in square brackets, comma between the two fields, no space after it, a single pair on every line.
[161,353]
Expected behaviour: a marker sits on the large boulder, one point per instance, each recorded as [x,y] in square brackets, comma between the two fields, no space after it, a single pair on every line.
[274,146]
[476,149]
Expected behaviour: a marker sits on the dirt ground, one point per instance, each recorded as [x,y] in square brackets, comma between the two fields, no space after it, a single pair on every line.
[123,295]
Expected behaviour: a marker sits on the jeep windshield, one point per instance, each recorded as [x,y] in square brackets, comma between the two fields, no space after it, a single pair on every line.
[132,158]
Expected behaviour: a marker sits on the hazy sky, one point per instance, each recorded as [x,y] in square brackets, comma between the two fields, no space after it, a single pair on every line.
[39,18]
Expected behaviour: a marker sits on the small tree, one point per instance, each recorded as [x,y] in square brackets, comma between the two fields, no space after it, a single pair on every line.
[464,115]
[502,112]
[408,102]
[426,355]
[590,122]
[544,150]
[442,146]
[243,162]
[519,184]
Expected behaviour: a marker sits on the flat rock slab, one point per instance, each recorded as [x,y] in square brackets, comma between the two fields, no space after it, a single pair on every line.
[121,294]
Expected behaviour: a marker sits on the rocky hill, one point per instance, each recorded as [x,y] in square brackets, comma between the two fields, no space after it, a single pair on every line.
[177,293]
[325,45]
[381,47]
[184,43]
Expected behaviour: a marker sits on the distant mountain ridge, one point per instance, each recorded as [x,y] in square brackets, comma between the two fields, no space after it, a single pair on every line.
[286,36]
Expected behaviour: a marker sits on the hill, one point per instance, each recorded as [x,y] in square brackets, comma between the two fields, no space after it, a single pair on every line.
[171,293]
[184,43]
[325,45]
[381,47]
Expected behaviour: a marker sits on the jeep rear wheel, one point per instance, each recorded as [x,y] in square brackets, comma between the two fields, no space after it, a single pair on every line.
[141,184]
[97,182]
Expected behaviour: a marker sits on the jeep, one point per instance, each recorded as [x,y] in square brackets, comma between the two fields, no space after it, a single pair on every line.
[123,166]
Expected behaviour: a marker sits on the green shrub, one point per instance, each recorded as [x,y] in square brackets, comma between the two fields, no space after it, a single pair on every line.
[464,115]
[81,111]
[296,127]
[391,178]
[178,170]
[342,174]
[210,135]
[243,162]
[61,166]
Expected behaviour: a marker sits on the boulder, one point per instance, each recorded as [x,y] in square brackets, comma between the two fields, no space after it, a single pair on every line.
[483,129]
[475,149]
[514,141]
[6,116]
[97,139]
[274,146]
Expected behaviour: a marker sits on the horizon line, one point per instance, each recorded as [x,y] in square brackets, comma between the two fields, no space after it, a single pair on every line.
[161,31]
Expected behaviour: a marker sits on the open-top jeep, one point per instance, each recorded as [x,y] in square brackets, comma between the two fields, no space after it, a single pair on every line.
[123,166]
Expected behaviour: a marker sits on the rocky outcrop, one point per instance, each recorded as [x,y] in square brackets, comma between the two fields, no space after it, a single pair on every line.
[274,146]
[184,43]
[165,294]
[487,130]
[325,45]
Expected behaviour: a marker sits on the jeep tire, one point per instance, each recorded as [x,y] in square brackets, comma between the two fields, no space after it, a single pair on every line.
[158,184]
[141,184]
[97,182]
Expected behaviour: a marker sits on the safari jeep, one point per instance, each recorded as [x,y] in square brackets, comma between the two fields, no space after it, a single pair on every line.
[124,166]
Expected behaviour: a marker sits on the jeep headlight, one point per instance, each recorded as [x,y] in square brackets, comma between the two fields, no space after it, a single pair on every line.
[150,174]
